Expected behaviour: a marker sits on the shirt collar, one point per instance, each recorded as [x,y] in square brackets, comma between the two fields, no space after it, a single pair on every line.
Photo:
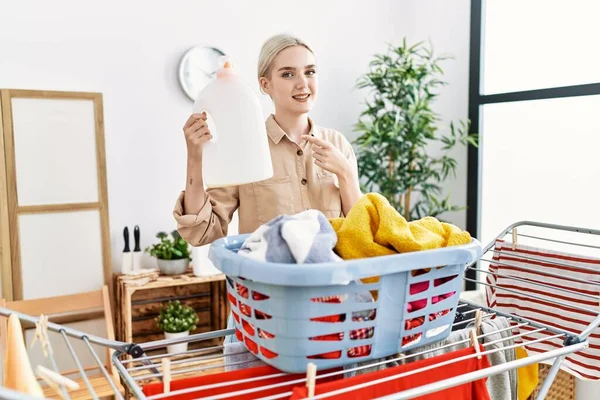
[276,133]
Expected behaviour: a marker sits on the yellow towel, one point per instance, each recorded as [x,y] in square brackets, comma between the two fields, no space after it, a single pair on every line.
[527,376]
[18,374]
[374,228]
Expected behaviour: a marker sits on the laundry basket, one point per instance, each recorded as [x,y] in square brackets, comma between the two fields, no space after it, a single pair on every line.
[291,314]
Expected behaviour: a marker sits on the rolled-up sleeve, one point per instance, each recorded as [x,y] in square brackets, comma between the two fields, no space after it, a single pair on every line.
[212,220]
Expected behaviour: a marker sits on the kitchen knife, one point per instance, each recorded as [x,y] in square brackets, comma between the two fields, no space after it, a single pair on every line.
[127,259]
[137,253]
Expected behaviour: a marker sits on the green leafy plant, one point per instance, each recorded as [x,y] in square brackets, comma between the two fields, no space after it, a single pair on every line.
[168,249]
[175,317]
[399,127]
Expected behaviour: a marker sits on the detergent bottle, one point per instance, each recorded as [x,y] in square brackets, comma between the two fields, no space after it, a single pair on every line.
[239,151]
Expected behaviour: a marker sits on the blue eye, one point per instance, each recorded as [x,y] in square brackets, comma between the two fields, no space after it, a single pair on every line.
[286,75]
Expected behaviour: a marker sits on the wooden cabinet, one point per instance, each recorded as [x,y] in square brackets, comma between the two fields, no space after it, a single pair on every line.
[138,301]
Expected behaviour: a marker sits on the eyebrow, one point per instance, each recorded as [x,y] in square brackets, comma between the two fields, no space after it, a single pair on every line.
[293,69]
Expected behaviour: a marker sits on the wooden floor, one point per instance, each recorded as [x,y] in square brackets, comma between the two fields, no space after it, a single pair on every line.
[99,383]
[181,364]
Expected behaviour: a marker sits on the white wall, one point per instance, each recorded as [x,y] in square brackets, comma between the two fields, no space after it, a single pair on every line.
[447,25]
[129,51]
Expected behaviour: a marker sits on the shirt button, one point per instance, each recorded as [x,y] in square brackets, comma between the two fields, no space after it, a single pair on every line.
[303,181]
[299,152]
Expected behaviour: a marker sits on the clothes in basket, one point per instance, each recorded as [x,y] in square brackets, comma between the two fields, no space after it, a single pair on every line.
[306,237]
[374,228]
[276,305]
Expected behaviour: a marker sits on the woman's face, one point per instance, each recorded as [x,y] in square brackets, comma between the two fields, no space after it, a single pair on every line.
[293,83]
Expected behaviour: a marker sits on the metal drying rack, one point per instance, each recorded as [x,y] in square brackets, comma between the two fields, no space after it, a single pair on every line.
[136,368]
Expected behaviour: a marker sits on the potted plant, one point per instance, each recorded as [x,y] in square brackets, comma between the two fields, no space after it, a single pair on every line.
[172,255]
[176,320]
[399,130]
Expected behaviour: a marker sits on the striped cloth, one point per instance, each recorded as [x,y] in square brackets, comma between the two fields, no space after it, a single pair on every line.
[584,364]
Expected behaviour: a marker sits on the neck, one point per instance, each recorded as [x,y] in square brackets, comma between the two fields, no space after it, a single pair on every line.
[295,125]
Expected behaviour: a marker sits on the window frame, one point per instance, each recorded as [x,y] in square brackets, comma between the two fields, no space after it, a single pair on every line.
[476,102]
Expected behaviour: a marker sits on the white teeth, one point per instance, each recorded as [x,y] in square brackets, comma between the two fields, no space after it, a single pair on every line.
[301,97]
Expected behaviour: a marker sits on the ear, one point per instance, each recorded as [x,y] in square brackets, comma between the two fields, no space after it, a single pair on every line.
[265,85]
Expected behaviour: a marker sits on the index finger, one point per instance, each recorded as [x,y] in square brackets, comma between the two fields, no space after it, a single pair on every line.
[316,141]
[193,118]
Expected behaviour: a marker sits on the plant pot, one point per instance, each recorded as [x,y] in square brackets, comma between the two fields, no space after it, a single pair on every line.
[177,348]
[173,267]
[201,264]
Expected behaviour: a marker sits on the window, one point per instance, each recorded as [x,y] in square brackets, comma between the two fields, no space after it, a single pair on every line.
[534,99]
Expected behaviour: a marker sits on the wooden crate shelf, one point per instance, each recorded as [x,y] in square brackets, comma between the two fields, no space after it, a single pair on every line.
[138,300]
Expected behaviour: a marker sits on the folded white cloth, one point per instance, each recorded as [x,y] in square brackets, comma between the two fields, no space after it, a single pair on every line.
[306,237]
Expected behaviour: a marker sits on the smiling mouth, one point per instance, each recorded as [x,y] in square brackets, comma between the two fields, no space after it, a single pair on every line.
[301,97]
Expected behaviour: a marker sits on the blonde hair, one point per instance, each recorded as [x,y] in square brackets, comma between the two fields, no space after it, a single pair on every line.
[272,47]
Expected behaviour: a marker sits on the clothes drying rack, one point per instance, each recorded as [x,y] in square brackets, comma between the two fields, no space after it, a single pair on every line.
[136,368]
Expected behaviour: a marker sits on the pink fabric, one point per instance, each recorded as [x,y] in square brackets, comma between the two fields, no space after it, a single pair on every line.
[421,287]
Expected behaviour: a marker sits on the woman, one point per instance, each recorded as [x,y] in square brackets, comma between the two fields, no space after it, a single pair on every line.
[314,167]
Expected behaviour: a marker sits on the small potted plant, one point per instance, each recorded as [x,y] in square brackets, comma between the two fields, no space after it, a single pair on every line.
[172,255]
[176,320]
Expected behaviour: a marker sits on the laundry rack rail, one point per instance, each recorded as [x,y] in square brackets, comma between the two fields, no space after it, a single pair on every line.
[129,368]
[68,334]
[136,368]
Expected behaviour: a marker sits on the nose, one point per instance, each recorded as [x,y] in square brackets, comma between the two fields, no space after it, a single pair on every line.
[301,82]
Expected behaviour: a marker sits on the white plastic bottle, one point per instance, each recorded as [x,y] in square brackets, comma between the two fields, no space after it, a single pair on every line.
[239,151]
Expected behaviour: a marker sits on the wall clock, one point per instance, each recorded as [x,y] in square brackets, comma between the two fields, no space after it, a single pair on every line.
[197,68]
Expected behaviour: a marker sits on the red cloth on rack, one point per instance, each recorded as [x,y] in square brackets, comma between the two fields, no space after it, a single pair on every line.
[211,379]
[476,390]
